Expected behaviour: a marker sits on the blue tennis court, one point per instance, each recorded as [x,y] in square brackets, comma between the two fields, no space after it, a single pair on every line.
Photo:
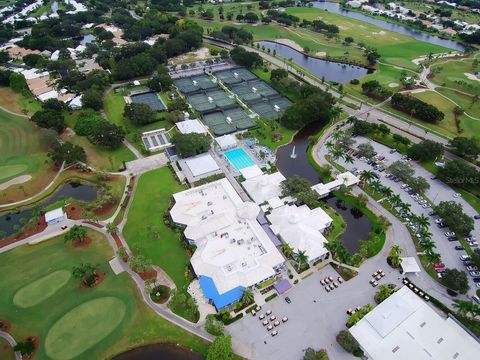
[239,159]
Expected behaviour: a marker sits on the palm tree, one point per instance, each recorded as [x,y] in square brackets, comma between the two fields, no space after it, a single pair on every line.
[387,192]
[428,246]
[366,176]
[335,113]
[425,234]
[405,207]
[394,255]
[76,233]
[348,159]
[383,223]
[300,258]
[247,296]
[111,228]
[395,200]
[336,153]
[337,135]
[287,250]
[462,306]
[433,257]
[329,144]
[423,222]
[376,186]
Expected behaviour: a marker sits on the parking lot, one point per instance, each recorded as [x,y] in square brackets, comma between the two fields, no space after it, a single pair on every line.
[315,316]
[438,192]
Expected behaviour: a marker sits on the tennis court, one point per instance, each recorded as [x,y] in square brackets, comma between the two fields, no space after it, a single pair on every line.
[271,107]
[151,99]
[194,84]
[234,76]
[210,100]
[228,121]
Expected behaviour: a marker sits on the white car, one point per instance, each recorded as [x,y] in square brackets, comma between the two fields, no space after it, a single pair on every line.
[474,273]
[472,268]
[465,257]
[438,221]
[456,195]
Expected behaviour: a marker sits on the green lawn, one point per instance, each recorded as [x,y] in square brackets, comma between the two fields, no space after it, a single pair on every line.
[153,196]
[452,74]
[75,322]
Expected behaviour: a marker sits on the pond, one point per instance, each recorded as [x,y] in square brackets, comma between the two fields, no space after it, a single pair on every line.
[332,71]
[358,226]
[401,29]
[160,352]
[80,192]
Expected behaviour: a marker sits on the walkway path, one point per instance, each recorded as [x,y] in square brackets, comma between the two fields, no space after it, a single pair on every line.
[12,342]
[133,149]
[13,113]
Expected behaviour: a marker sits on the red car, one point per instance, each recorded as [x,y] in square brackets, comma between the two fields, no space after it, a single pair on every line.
[439,265]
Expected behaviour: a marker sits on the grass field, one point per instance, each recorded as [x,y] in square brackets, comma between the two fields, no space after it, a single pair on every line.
[75,322]
[17,102]
[452,74]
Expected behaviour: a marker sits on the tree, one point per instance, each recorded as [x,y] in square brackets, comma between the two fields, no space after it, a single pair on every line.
[191,144]
[428,246]
[54,105]
[394,256]
[108,135]
[213,326]
[311,354]
[426,150]
[347,341]
[287,250]
[76,233]
[366,176]
[49,119]
[92,99]
[383,292]
[160,82]
[419,184]
[366,150]
[67,152]
[25,347]
[453,216]
[401,170]
[17,82]
[300,188]
[221,349]
[362,199]
[456,280]
[466,147]
[246,58]
[87,273]
[111,228]
[301,258]
[458,172]
[247,297]
[139,114]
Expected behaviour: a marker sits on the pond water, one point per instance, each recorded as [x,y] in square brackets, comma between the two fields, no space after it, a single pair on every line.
[80,192]
[332,71]
[160,352]
[358,226]
[401,29]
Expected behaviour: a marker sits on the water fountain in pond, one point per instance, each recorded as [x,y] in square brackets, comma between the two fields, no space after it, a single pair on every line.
[293,155]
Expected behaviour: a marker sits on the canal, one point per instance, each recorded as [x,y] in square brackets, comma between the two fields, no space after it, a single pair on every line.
[400,29]
[330,70]
[358,225]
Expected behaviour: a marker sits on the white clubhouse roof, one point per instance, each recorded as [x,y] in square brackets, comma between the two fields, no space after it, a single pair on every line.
[264,187]
[409,265]
[301,228]
[54,214]
[346,178]
[232,247]
[191,126]
[226,141]
[405,327]
[202,164]
[251,171]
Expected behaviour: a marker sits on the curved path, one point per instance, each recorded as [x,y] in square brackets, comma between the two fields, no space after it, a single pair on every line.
[13,113]
[12,342]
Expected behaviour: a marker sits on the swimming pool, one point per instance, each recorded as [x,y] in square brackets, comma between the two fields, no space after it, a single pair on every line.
[239,159]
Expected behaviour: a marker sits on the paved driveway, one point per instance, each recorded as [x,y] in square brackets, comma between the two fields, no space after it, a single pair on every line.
[142,165]
[438,192]
[315,317]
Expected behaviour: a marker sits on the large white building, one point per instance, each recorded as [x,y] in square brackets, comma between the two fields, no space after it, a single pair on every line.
[301,228]
[233,251]
[406,327]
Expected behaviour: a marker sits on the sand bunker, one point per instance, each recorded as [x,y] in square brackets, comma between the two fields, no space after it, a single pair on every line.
[200,54]
[379,33]
[393,85]
[471,76]
[290,43]
[321,54]
[15,181]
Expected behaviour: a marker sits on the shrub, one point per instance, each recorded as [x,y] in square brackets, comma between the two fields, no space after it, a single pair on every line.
[213,326]
[347,341]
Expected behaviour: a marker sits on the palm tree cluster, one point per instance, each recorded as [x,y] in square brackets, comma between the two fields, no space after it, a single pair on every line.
[418,224]
[337,147]
[466,308]
[394,256]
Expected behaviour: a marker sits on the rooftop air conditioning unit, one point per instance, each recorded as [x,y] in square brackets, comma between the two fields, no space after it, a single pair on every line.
[195,82]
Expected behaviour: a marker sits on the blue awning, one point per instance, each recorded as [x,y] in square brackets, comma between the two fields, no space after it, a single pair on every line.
[220,300]
[282,286]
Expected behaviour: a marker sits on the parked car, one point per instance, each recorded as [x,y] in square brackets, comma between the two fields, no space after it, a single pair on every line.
[459,247]
[449,233]
[284,319]
[465,257]
[452,238]
[475,273]
[261,317]
[432,213]
[393,151]
[276,323]
[456,195]
[268,312]
[472,268]
[265,322]
[287,300]
[274,333]
[476,217]
[438,221]
[476,280]
[476,299]
[273,317]
[269,327]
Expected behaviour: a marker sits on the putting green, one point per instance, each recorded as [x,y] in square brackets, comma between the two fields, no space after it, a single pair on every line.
[9,171]
[41,289]
[84,326]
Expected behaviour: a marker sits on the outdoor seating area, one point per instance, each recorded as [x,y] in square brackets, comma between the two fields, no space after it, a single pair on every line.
[329,283]
[269,320]
[376,276]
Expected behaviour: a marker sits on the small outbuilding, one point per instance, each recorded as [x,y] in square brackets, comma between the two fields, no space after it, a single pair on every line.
[409,265]
[55,216]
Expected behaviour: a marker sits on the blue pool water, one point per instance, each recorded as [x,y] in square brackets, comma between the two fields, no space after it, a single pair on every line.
[239,159]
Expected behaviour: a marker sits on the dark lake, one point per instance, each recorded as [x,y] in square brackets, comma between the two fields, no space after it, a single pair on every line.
[160,352]
[80,192]
[332,71]
[401,29]
[358,226]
